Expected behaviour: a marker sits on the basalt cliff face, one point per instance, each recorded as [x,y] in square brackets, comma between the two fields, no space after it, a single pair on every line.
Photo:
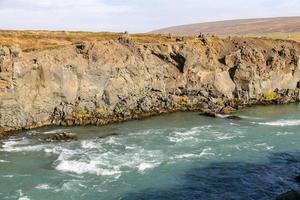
[115,80]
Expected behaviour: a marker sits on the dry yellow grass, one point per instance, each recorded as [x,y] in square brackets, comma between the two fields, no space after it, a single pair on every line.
[278,35]
[33,40]
[36,40]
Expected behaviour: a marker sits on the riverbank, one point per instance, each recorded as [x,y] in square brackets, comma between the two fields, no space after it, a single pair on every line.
[174,156]
[123,78]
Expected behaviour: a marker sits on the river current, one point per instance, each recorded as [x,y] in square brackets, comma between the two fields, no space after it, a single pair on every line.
[174,156]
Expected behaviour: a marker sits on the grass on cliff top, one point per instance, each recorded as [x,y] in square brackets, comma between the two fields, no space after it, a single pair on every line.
[33,40]
[278,35]
[36,40]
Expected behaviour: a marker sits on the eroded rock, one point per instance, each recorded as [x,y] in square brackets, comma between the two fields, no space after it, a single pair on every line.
[96,83]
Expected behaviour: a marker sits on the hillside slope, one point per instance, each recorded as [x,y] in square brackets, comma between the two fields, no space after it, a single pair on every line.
[238,27]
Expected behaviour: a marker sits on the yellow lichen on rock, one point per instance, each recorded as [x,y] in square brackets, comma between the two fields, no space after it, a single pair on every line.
[270,96]
[103,111]
[182,101]
[80,113]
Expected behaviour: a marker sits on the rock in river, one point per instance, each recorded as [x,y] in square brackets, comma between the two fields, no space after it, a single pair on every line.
[216,115]
[64,136]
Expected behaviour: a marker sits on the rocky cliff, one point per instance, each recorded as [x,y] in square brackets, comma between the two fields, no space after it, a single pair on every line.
[115,80]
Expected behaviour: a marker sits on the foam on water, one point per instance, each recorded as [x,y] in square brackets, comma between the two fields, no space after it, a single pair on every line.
[187,135]
[24,148]
[7,176]
[57,149]
[187,155]
[109,156]
[13,142]
[106,157]
[147,132]
[20,145]
[204,153]
[90,144]
[145,166]
[112,140]
[22,196]
[225,137]
[284,133]
[264,145]
[92,167]
[281,123]
[207,152]
[43,187]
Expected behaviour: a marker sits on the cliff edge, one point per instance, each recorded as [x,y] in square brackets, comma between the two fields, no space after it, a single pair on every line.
[115,80]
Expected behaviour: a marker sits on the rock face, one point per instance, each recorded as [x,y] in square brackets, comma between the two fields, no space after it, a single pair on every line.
[116,80]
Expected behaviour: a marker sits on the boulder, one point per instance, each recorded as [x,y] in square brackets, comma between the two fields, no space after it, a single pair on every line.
[64,136]
[223,83]
[228,110]
[216,115]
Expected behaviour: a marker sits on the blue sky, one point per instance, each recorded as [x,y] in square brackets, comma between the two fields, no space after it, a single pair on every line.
[133,15]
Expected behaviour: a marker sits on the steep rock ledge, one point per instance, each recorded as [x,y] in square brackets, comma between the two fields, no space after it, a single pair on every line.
[116,80]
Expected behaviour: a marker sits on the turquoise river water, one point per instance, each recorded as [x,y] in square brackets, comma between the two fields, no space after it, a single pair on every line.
[174,156]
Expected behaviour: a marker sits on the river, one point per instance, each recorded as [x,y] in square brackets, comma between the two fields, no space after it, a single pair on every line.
[175,156]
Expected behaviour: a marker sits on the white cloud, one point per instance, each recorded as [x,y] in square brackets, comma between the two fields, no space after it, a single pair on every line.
[132,15]
[47,3]
[88,15]
[177,12]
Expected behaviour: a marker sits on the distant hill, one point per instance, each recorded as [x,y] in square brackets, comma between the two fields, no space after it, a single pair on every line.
[238,27]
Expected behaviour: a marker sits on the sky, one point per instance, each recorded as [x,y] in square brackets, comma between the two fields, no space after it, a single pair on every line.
[133,15]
